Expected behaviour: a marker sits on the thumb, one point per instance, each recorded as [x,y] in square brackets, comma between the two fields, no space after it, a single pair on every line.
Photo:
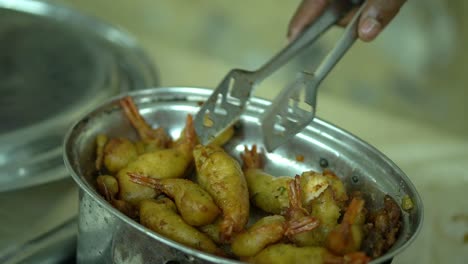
[376,16]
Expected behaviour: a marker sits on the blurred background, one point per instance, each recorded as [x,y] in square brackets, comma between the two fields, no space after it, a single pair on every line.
[415,69]
[404,93]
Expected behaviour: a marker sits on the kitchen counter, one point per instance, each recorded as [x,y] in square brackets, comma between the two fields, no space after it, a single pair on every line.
[195,43]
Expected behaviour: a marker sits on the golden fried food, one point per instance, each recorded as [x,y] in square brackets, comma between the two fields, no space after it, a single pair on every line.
[325,209]
[161,216]
[213,231]
[194,204]
[109,187]
[300,225]
[313,184]
[337,186]
[307,218]
[118,153]
[223,137]
[347,236]
[174,162]
[266,192]
[101,141]
[288,253]
[268,230]
[323,196]
[221,176]
[271,229]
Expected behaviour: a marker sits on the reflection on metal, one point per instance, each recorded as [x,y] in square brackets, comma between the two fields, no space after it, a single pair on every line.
[55,64]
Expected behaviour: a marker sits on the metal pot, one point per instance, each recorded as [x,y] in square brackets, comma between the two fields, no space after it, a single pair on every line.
[108,236]
[56,64]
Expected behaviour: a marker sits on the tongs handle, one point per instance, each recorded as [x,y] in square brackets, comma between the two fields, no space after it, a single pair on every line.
[350,34]
[328,18]
[285,117]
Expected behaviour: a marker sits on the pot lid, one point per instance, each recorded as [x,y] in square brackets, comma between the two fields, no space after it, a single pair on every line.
[55,65]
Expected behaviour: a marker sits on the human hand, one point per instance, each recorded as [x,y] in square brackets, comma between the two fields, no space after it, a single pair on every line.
[375,17]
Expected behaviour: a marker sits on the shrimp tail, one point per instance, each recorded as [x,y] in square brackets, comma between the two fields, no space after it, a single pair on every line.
[144,180]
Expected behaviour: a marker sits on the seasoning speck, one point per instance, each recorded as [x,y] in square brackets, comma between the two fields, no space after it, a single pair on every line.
[300,158]
[406,203]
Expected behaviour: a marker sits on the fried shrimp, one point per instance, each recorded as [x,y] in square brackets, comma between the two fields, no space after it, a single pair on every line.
[221,176]
[348,235]
[201,197]
[173,162]
[299,219]
[152,138]
[288,253]
[194,204]
[266,231]
[118,153]
[266,192]
[161,216]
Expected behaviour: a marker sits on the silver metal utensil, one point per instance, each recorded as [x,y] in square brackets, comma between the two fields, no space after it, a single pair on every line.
[228,100]
[294,108]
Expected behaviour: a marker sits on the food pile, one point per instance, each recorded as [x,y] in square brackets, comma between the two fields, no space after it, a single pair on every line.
[200,196]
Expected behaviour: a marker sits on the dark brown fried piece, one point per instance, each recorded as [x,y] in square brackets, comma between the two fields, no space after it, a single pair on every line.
[382,228]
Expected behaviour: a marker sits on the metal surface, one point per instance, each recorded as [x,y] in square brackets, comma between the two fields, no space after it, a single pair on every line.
[108,236]
[229,99]
[55,64]
[54,246]
[295,106]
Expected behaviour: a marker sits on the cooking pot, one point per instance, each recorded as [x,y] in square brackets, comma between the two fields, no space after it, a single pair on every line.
[107,236]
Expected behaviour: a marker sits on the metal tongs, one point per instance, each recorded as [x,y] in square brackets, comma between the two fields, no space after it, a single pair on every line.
[287,115]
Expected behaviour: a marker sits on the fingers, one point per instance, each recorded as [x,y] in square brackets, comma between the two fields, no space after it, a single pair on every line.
[307,12]
[376,16]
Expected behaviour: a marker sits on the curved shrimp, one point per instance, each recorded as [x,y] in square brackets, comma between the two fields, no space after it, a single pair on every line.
[298,219]
[269,230]
[323,196]
[173,162]
[194,204]
[118,153]
[347,236]
[153,138]
[266,191]
[221,176]
[161,216]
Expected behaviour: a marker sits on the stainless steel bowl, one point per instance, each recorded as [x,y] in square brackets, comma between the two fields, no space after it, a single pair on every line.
[108,236]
